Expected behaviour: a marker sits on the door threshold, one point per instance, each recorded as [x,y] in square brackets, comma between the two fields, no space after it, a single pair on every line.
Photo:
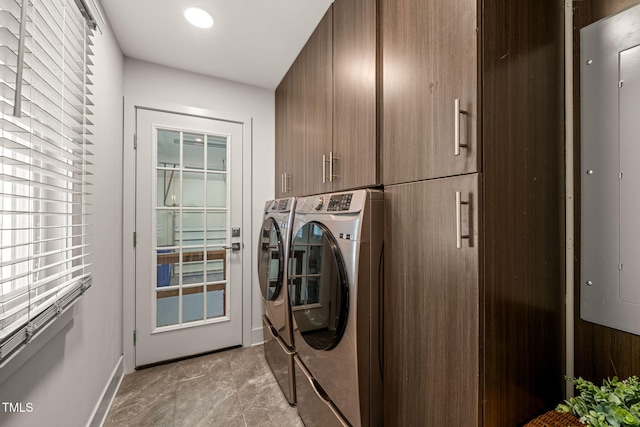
[179,359]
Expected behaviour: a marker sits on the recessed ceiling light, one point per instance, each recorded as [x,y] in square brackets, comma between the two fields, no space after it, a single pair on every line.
[198,17]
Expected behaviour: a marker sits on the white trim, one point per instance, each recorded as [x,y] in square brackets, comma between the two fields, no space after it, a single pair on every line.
[257,337]
[247,232]
[100,412]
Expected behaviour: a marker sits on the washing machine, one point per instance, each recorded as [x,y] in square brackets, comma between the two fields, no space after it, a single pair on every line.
[273,255]
[334,293]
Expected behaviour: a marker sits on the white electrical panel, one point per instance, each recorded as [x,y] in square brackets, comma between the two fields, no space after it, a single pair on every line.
[610,171]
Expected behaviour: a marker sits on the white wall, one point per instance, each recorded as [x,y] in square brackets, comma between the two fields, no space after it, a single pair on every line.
[153,86]
[65,379]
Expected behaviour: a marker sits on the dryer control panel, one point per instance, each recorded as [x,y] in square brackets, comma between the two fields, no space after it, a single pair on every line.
[340,202]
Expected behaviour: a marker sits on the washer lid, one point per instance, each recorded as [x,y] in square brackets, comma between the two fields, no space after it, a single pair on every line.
[318,286]
[271,259]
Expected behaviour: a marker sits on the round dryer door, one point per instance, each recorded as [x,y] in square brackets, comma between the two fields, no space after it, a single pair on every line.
[270,259]
[318,287]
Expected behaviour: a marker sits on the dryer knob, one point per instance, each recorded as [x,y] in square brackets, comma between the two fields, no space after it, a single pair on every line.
[274,205]
[317,203]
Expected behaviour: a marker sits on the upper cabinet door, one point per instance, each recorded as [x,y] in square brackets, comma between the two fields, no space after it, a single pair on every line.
[354,94]
[430,72]
[281,141]
[295,128]
[318,65]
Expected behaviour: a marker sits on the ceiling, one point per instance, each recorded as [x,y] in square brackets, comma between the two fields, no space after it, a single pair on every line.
[251,41]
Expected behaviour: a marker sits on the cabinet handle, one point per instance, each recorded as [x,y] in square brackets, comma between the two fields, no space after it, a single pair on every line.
[286,183]
[459,235]
[324,169]
[282,183]
[456,124]
[331,159]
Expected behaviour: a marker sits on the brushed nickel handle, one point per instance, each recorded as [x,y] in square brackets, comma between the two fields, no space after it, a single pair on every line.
[324,169]
[282,182]
[331,159]
[456,124]
[287,188]
[459,235]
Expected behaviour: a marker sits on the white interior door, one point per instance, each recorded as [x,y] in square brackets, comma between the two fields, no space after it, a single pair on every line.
[188,219]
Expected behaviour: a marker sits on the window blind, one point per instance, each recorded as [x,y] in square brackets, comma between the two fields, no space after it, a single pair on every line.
[45,49]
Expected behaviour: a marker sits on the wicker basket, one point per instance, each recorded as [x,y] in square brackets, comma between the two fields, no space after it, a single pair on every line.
[555,419]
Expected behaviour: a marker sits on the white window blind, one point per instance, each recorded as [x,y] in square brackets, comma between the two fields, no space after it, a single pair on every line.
[45,49]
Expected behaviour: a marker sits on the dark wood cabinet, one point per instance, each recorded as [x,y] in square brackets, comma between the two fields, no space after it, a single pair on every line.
[429,89]
[331,105]
[281,163]
[432,314]
[303,116]
[318,59]
[355,142]
[515,293]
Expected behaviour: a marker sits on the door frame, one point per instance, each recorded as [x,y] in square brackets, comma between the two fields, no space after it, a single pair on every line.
[130,107]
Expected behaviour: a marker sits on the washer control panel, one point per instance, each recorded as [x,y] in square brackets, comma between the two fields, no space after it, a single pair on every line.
[279,205]
[340,202]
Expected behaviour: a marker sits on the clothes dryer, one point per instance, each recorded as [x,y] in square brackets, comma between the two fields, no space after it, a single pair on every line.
[334,293]
[273,255]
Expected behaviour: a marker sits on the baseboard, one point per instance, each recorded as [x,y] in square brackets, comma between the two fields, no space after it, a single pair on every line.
[102,407]
[257,336]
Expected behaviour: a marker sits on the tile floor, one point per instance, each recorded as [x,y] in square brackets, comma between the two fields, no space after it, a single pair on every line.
[234,388]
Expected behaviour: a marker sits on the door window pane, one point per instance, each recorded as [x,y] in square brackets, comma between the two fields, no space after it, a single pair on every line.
[216,153]
[193,189]
[193,151]
[168,267]
[168,188]
[167,227]
[193,266]
[216,228]
[192,304]
[167,308]
[192,228]
[168,149]
[216,265]
[216,190]
[216,301]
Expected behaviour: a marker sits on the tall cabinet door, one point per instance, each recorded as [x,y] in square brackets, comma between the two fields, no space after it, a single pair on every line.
[294,153]
[281,141]
[318,65]
[431,303]
[430,108]
[354,94]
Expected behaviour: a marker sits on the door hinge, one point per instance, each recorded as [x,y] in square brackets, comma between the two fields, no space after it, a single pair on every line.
[135,239]
[134,337]
[135,141]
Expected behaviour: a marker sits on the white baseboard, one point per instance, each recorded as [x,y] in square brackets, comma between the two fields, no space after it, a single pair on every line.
[108,394]
[257,337]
